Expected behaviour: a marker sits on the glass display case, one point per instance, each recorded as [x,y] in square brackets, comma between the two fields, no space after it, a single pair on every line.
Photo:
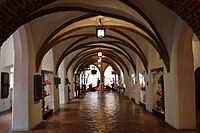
[142,89]
[47,91]
[158,92]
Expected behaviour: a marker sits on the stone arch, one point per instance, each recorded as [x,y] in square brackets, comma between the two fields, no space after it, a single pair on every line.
[45,47]
[109,62]
[115,58]
[66,52]
[158,41]
[12,18]
[88,36]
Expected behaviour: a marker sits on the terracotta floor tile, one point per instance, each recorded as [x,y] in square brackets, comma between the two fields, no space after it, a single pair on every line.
[99,112]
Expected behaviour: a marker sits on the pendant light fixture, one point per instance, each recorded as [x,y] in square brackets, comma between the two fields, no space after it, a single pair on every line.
[100,30]
[99,54]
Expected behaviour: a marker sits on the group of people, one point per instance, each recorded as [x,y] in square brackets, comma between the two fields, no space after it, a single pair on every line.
[97,87]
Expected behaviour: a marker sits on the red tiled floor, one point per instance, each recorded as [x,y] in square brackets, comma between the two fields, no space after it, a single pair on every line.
[99,112]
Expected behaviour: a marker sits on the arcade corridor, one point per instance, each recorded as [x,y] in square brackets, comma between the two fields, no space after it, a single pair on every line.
[99,112]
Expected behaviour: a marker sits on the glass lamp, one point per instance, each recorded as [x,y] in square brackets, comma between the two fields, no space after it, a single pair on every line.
[100,30]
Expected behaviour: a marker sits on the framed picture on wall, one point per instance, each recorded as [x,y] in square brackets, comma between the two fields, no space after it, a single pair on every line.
[37,87]
[57,80]
[4,85]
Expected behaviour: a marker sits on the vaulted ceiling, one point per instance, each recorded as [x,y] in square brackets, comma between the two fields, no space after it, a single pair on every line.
[68,27]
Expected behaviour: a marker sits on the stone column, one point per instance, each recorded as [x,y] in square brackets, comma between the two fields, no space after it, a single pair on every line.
[20,110]
[180,109]
[137,90]
[149,91]
[62,87]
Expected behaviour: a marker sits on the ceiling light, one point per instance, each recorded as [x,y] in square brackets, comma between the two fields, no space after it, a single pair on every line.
[100,30]
[99,53]
[99,60]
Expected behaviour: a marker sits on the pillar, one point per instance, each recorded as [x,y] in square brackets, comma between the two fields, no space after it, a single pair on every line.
[56,102]
[63,90]
[128,82]
[137,90]
[180,109]
[149,91]
[137,85]
[20,110]
[26,113]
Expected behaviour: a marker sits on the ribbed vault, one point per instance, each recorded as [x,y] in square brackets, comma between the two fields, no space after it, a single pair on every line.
[15,13]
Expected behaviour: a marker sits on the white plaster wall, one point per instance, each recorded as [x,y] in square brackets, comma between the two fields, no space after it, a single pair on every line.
[137,86]
[48,64]
[170,82]
[140,66]
[56,98]
[171,93]
[5,104]
[35,112]
[20,115]
[149,90]
[62,87]
[7,61]
[70,76]
[164,20]
[127,83]
[196,53]
[179,83]
[7,53]
[186,82]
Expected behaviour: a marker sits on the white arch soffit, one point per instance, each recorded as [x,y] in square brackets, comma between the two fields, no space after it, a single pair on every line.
[95,20]
[80,64]
[117,8]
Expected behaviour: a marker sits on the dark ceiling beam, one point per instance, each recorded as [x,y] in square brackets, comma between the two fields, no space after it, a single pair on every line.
[118,43]
[159,41]
[94,53]
[88,36]
[87,10]
[106,60]
[15,14]
[56,40]
[114,58]
[87,45]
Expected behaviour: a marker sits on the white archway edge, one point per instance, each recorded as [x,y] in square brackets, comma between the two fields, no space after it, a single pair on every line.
[26,113]
[179,83]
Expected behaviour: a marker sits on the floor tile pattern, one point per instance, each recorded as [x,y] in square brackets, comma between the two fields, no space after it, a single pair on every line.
[98,112]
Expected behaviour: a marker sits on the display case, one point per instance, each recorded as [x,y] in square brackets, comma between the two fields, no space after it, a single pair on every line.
[142,89]
[47,91]
[158,92]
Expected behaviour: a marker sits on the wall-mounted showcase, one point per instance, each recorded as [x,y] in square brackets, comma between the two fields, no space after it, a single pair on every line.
[47,97]
[142,89]
[157,83]
[4,85]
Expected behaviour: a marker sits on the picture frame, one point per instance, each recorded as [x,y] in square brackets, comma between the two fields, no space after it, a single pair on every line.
[5,85]
[37,87]
[57,80]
